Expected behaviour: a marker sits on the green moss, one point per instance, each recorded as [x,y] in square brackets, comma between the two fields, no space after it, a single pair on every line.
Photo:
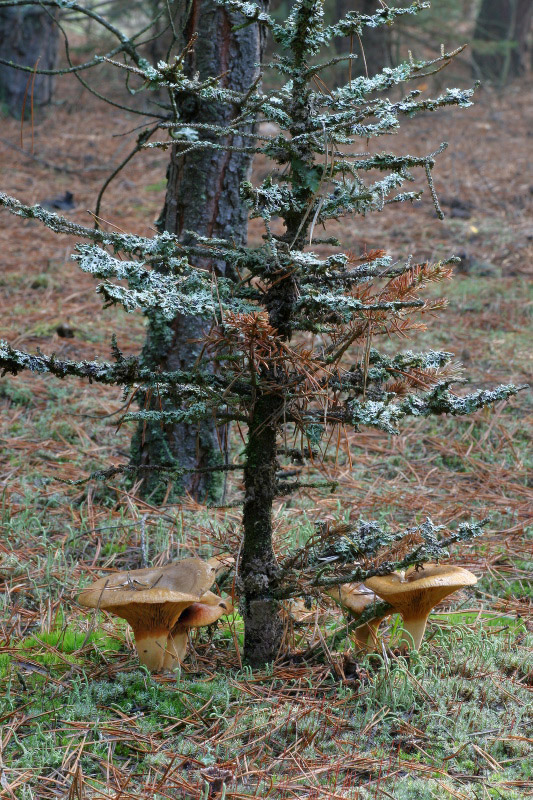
[15,393]
[485,620]
[450,712]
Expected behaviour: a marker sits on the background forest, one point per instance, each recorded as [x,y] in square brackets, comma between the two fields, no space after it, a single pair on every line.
[79,718]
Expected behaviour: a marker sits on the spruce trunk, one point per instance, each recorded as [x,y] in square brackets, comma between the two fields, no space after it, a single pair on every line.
[263,626]
[203,197]
[258,570]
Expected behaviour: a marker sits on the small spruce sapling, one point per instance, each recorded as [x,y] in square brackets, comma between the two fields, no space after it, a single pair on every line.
[283,329]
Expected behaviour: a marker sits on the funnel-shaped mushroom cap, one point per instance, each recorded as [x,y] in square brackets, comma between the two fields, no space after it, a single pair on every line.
[151,600]
[221,563]
[414,594]
[206,612]
[182,580]
[356,598]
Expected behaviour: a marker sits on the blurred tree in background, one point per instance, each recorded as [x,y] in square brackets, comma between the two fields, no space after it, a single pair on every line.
[28,36]
[502,46]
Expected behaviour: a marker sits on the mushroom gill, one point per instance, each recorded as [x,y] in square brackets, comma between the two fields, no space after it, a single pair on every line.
[210,608]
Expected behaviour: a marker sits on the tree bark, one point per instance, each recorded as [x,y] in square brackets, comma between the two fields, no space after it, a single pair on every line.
[500,47]
[258,569]
[202,196]
[29,37]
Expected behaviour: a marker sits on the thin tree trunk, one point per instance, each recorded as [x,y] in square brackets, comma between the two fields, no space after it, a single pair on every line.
[202,196]
[29,37]
[258,570]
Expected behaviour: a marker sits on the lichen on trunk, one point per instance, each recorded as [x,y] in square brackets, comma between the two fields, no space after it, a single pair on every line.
[258,568]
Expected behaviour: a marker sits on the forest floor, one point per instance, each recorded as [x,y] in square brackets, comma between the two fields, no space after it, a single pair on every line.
[79,719]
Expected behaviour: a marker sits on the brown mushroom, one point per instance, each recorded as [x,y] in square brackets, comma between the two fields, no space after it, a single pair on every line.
[221,563]
[209,610]
[356,598]
[414,593]
[152,600]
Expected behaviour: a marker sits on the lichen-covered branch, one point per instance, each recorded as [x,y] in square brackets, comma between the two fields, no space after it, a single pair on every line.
[340,559]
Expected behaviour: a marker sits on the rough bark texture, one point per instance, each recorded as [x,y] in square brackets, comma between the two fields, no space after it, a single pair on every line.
[258,569]
[28,34]
[202,196]
[501,39]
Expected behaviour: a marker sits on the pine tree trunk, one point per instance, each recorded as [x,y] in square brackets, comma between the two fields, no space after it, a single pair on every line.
[29,37]
[202,196]
[501,39]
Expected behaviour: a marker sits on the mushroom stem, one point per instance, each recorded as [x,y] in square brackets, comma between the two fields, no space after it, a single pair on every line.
[176,649]
[366,636]
[151,647]
[415,626]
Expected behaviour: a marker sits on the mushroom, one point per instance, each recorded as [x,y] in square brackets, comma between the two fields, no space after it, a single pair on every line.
[417,591]
[223,563]
[209,610]
[152,600]
[356,598]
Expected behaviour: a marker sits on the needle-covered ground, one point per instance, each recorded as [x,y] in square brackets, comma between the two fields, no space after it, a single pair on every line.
[79,719]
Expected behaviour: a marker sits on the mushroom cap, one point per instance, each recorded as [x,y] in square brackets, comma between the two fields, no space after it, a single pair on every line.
[221,563]
[180,582]
[421,589]
[151,599]
[208,610]
[353,596]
